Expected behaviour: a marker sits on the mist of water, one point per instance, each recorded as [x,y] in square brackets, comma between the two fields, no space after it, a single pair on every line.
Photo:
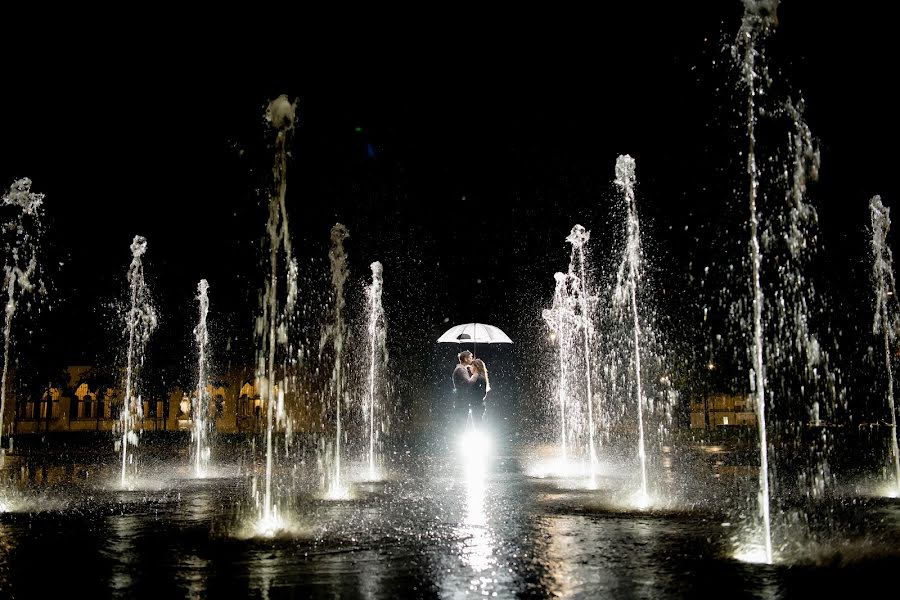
[886,323]
[21,243]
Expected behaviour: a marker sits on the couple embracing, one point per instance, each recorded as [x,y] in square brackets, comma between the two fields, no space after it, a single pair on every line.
[471,387]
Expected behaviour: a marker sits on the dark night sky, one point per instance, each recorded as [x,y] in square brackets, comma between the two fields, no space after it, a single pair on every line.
[476,153]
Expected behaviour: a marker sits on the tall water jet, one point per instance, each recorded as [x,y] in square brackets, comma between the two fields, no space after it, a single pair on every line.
[377,334]
[789,362]
[578,237]
[201,401]
[140,322]
[626,294]
[271,326]
[759,18]
[21,239]
[335,330]
[559,319]
[885,323]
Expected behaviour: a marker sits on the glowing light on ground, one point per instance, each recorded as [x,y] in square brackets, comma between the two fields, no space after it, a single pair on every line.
[368,474]
[276,525]
[554,468]
[641,500]
[889,491]
[474,446]
[149,483]
[477,545]
[752,553]
[576,473]
[338,493]
[268,527]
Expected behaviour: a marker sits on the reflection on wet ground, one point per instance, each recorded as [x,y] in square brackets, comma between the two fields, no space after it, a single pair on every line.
[435,529]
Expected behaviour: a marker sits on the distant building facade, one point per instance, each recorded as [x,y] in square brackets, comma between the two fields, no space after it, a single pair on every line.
[723,410]
[235,406]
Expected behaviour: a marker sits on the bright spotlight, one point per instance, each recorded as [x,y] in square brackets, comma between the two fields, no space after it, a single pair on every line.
[474,444]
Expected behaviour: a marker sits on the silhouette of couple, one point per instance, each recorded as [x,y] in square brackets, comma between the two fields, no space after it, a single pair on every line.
[471,388]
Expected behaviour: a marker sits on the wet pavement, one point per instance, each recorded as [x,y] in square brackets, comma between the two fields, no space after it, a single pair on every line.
[435,528]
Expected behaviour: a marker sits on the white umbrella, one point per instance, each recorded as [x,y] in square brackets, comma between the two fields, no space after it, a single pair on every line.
[474,333]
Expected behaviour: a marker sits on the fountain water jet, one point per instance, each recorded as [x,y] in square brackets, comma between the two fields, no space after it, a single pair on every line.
[201,406]
[336,331]
[21,265]
[756,23]
[571,326]
[788,362]
[271,326]
[885,323]
[377,354]
[559,319]
[140,322]
[578,237]
[626,294]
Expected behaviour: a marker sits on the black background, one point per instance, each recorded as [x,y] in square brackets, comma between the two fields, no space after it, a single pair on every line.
[458,150]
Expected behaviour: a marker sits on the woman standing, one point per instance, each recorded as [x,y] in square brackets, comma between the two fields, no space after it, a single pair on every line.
[481,388]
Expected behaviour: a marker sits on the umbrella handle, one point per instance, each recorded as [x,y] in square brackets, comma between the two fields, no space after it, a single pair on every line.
[474,339]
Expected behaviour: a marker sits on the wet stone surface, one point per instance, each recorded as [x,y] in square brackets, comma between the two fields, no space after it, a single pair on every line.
[434,528]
